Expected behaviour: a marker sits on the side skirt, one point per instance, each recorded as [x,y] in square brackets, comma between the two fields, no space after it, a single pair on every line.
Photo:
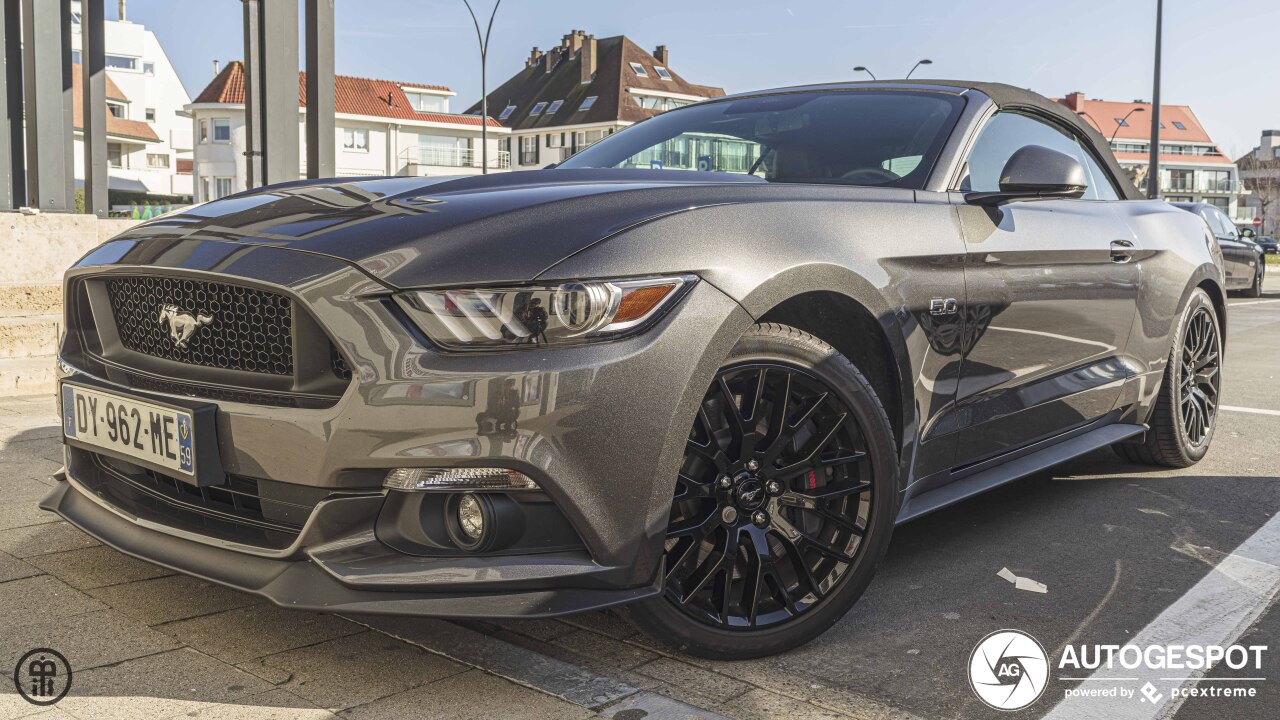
[1015,468]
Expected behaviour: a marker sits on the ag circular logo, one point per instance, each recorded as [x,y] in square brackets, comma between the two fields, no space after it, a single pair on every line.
[1008,670]
[42,676]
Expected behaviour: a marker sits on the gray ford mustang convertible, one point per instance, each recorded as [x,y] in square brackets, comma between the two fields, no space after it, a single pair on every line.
[699,371]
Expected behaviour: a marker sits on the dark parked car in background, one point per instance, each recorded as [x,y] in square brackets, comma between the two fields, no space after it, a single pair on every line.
[699,371]
[1243,259]
[1268,243]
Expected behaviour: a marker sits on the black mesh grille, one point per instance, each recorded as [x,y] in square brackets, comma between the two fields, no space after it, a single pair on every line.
[338,365]
[241,328]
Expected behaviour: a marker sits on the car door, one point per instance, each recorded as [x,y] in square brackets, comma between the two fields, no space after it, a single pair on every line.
[1052,288]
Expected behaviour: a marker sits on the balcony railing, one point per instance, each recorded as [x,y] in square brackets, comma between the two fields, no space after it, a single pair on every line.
[1201,185]
[453,157]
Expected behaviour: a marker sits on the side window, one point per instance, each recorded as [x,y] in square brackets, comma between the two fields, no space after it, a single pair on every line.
[1100,186]
[1003,135]
[1211,216]
[1228,227]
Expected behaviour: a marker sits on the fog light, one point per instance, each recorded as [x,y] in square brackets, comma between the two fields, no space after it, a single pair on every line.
[470,517]
[428,479]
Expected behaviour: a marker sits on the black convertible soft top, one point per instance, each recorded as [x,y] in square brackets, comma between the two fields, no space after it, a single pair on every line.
[1004,96]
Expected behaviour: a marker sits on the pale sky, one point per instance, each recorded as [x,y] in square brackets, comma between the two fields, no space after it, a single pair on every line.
[1101,47]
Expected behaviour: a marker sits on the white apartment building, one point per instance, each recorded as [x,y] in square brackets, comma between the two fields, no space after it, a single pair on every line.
[582,91]
[149,141]
[382,128]
[1192,166]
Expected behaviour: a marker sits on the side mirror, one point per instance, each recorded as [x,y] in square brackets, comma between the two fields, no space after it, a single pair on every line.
[1247,232]
[1035,173]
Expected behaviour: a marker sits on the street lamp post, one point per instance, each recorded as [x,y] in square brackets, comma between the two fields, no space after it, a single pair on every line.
[1122,121]
[1153,163]
[924,61]
[1089,117]
[483,39]
[862,68]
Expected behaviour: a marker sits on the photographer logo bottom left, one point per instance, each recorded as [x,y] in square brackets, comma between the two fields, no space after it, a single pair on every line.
[42,676]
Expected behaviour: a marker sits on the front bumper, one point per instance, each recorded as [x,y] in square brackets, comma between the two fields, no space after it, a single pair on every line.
[356,573]
[601,428]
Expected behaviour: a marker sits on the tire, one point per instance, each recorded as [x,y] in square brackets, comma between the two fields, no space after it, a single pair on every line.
[1173,440]
[827,496]
[1255,289]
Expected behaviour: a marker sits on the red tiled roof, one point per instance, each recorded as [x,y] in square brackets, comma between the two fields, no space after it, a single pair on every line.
[352,96]
[1105,113]
[119,127]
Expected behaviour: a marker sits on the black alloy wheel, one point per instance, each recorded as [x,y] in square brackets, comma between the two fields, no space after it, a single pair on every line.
[773,501]
[1200,376]
[783,505]
[1181,424]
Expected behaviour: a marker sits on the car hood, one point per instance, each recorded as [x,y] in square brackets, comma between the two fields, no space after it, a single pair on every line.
[416,232]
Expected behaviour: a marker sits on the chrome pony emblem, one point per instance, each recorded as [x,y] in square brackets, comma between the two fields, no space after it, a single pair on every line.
[182,325]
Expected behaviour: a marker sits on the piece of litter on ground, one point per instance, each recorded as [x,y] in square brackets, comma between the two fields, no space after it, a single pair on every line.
[913,652]
[1022,583]
[951,616]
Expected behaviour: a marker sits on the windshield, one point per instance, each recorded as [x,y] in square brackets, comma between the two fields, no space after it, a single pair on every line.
[864,137]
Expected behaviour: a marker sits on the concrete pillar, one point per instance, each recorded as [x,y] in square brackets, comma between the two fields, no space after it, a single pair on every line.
[93,104]
[320,92]
[279,115]
[13,180]
[47,85]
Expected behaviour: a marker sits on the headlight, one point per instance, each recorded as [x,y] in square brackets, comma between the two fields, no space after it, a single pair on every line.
[536,316]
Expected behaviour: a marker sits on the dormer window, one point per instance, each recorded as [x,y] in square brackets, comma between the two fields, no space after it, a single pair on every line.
[587,103]
[555,107]
[1122,122]
[662,72]
[427,102]
[638,69]
[1179,125]
[506,112]
[537,109]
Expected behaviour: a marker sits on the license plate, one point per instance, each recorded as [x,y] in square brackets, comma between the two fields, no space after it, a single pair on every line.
[141,430]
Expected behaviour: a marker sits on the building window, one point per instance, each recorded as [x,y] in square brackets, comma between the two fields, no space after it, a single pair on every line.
[116,157]
[148,68]
[426,102]
[355,139]
[537,109]
[121,62]
[1216,180]
[587,103]
[662,72]
[204,131]
[158,161]
[206,193]
[223,186]
[75,57]
[222,130]
[1179,125]
[1182,180]
[529,150]
[638,69]
[151,114]
[116,109]
[1122,122]
[506,112]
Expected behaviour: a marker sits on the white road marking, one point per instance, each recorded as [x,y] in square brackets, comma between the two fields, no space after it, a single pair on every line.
[1216,611]
[1250,302]
[1255,411]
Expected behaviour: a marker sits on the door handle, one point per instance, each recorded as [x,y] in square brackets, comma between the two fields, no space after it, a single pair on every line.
[1122,251]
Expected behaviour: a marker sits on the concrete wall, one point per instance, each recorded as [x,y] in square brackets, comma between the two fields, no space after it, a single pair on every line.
[37,249]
